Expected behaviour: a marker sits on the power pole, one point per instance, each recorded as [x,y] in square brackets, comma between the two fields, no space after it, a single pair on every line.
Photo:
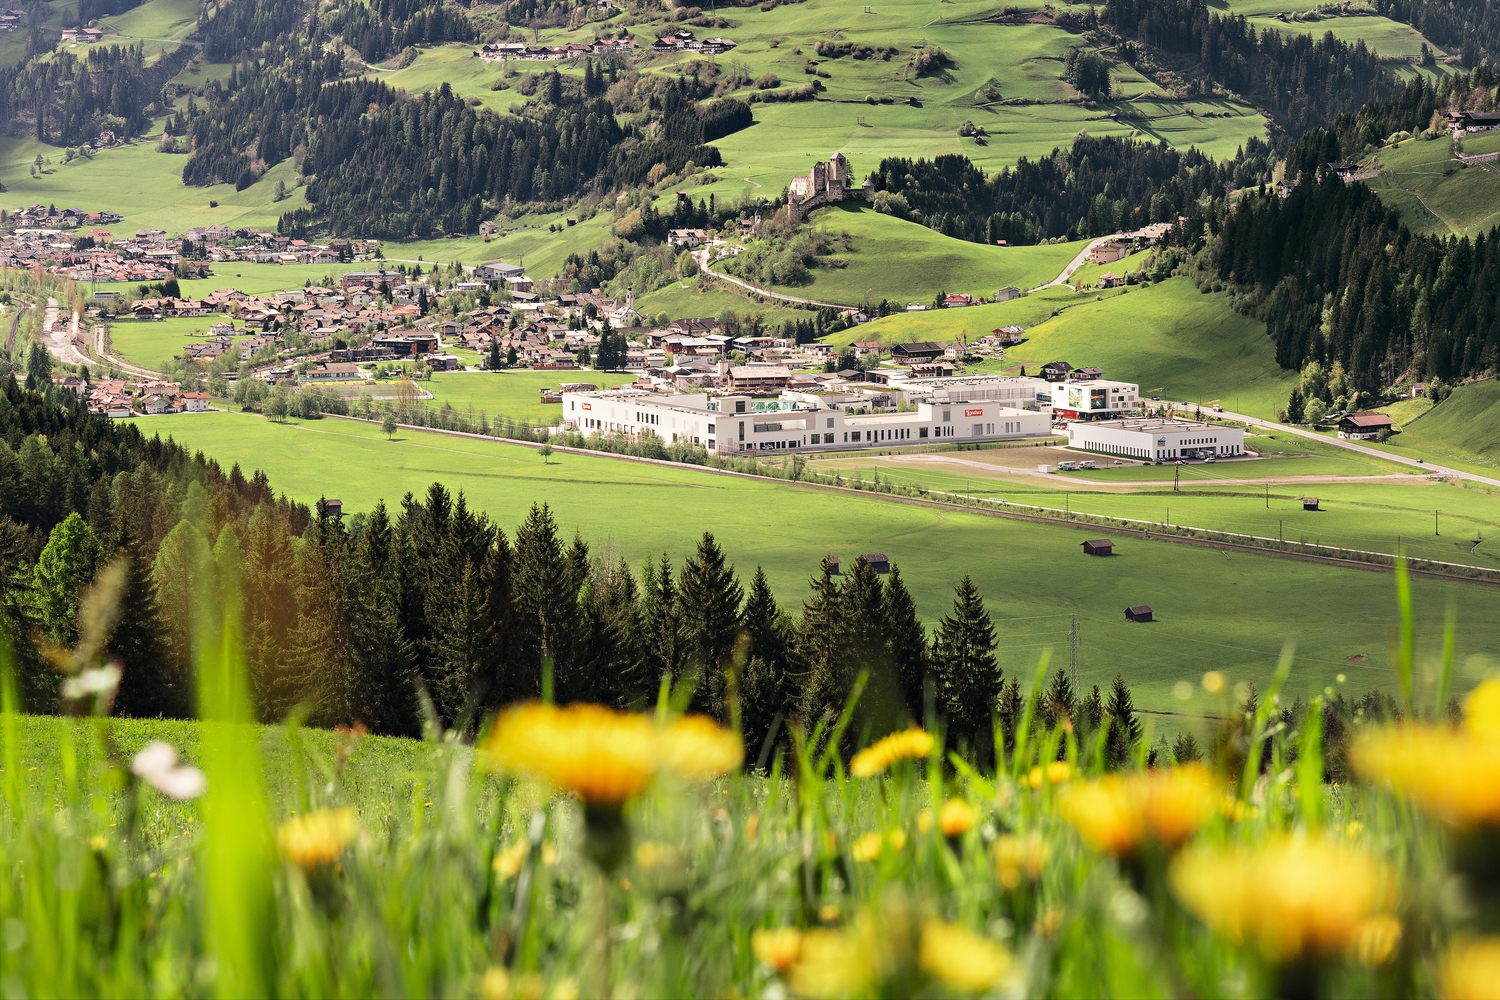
[1073,654]
[1268,496]
[1435,523]
[1176,478]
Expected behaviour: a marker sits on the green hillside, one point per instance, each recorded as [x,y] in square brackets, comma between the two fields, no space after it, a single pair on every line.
[640,510]
[1464,428]
[1436,192]
[889,258]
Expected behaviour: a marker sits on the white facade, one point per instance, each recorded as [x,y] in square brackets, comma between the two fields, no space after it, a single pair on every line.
[1153,440]
[732,425]
[1094,399]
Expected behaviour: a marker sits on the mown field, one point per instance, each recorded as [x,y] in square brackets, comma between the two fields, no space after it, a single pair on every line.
[1233,609]
[514,394]
[153,344]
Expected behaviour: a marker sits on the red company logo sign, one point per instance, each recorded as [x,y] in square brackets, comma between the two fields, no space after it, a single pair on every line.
[588,406]
[973,413]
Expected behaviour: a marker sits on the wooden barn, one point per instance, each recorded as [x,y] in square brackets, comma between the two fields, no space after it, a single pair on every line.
[1098,547]
[1138,613]
[878,561]
[1310,503]
[834,562]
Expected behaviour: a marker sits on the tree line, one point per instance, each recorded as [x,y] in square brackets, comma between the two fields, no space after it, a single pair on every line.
[65,101]
[1099,185]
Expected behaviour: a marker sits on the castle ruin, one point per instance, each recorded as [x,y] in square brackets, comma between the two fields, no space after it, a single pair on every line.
[825,184]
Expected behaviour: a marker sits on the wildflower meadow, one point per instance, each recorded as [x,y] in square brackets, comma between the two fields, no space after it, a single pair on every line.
[563,851]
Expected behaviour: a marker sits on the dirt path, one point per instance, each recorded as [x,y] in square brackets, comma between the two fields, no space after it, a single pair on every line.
[703,262]
[62,342]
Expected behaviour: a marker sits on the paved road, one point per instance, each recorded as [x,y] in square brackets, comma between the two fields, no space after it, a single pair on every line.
[1077,262]
[1083,482]
[1355,446]
[702,258]
[61,341]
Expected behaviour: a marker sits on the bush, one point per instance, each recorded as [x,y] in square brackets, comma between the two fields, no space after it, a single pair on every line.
[768,82]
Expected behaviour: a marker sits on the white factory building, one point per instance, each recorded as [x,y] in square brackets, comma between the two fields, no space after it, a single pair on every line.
[1092,399]
[1153,440]
[739,424]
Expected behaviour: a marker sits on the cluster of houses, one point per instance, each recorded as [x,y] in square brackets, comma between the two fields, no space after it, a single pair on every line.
[52,217]
[1462,123]
[152,397]
[11,19]
[500,51]
[683,40]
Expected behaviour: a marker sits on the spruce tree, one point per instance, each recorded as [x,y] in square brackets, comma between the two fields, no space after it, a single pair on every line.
[151,685]
[183,581]
[1185,748]
[907,641]
[823,635]
[968,675]
[882,706]
[709,597]
[546,596]
[1058,704]
[1125,730]
[767,686]
[659,620]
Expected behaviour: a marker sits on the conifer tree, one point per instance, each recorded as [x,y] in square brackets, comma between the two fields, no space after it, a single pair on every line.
[384,696]
[882,707]
[767,687]
[1125,730]
[151,686]
[907,642]
[1058,704]
[709,598]
[183,581]
[823,647]
[546,597]
[659,620]
[1185,748]
[968,675]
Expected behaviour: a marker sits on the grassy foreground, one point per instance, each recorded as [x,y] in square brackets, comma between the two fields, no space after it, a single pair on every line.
[1033,576]
[201,864]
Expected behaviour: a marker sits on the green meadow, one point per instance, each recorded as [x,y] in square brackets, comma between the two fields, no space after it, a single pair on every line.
[1434,191]
[1238,622]
[153,344]
[514,394]
[694,297]
[1390,39]
[879,262]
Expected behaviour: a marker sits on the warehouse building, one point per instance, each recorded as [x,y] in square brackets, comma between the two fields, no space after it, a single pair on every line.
[1156,440]
[1093,398]
[738,424]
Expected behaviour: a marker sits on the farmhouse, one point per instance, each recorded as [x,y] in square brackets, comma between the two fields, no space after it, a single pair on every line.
[1469,122]
[1344,170]
[1364,426]
[736,423]
[1007,293]
[1153,440]
[494,273]
[407,345]
[907,354]
[1109,252]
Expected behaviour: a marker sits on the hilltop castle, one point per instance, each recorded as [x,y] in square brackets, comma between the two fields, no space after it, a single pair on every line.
[825,184]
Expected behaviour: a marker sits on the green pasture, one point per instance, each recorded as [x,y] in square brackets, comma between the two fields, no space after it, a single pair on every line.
[456,66]
[1392,40]
[514,394]
[1434,191]
[143,185]
[902,261]
[158,26]
[1232,610]
[153,343]
[1480,144]
[694,298]
[1089,274]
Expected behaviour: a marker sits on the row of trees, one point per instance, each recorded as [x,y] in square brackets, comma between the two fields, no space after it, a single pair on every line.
[64,101]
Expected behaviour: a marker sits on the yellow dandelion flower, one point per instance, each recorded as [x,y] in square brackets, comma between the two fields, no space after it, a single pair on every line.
[924,821]
[779,948]
[1054,773]
[1020,856]
[495,985]
[606,756]
[695,748]
[1453,774]
[1118,813]
[1214,682]
[1105,813]
[1353,829]
[1482,710]
[509,861]
[831,964]
[867,847]
[1375,940]
[960,958]
[829,914]
[1471,970]
[955,818]
[1291,897]
[317,838]
[878,757]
